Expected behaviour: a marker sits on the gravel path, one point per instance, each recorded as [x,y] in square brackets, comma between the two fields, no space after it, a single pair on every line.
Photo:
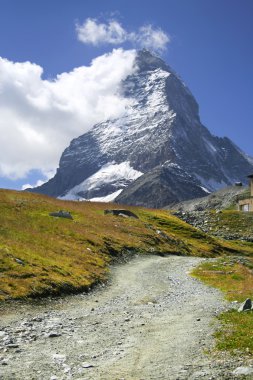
[152,321]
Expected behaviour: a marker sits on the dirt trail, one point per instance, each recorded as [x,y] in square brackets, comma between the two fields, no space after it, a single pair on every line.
[153,321]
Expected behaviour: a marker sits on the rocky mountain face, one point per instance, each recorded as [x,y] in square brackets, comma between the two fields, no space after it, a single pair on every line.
[217,214]
[160,186]
[218,200]
[157,153]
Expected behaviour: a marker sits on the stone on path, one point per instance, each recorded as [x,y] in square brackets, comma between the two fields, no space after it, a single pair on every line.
[239,371]
[53,334]
[87,365]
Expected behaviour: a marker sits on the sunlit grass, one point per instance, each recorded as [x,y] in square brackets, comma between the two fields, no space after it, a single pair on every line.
[234,276]
[42,255]
[235,334]
[229,275]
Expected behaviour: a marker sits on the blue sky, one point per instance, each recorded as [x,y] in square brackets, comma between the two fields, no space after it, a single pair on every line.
[210,48]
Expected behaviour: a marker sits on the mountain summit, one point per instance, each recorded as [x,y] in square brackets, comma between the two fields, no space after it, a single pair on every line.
[157,153]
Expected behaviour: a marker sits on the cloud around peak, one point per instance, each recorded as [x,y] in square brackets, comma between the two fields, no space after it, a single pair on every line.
[39,117]
[96,33]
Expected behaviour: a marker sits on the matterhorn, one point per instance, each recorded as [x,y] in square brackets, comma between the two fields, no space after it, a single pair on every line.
[157,153]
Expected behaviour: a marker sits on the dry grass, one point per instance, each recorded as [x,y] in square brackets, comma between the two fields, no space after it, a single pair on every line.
[42,255]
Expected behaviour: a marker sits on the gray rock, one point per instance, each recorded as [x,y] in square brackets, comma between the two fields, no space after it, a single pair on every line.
[87,365]
[12,345]
[125,213]
[21,262]
[61,214]
[53,334]
[59,358]
[243,371]
[246,305]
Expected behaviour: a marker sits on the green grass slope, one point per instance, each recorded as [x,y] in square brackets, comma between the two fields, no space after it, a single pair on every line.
[234,276]
[42,255]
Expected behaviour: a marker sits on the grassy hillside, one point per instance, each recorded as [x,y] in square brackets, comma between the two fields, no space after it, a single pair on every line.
[42,255]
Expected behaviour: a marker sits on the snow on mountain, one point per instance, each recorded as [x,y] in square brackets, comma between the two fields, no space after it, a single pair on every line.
[107,198]
[110,176]
[137,129]
[159,138]
[250,159]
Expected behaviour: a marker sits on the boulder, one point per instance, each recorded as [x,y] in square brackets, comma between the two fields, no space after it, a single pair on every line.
[61,214]
[246,305]
[124,213]
[21,262]
[243,371]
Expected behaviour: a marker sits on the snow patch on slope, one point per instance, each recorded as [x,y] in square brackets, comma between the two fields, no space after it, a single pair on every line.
[205,189]
[111,173]
[212,149]
[107,198]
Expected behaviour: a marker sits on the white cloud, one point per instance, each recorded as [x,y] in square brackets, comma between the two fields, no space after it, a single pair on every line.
[46,174]
[91,32]
[39,117]
[154,39]
[29,186]
[95,33]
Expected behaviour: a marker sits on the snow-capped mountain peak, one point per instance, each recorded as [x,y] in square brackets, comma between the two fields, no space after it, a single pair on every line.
[158,144]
